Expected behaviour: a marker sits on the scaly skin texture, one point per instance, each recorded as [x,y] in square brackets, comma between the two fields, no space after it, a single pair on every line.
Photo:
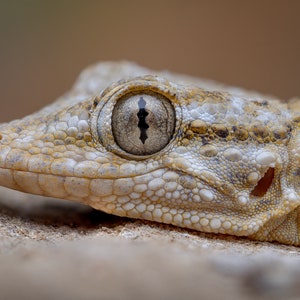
[231,164]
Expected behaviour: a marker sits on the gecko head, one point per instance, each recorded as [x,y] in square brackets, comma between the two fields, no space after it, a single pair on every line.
[148,148]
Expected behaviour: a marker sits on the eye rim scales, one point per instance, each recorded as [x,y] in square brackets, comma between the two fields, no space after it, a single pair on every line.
[102,115]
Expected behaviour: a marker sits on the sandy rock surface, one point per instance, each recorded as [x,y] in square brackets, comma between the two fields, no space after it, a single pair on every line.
[54,249]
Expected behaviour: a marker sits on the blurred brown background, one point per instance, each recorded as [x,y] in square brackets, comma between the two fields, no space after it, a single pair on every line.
[45,44]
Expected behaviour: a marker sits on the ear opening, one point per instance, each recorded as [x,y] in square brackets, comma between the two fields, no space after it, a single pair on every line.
[264,183]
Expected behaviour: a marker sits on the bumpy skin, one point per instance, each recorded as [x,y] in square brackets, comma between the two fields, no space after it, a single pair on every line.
[231,166]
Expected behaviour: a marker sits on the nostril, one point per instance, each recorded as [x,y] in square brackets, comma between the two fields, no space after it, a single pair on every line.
[264,183]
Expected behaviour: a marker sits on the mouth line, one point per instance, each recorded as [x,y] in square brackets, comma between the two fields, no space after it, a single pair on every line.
[69,175]
[212,180]
[83,176]
[204,176]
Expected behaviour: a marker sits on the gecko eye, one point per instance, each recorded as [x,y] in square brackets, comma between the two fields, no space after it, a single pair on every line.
[143,123]
[136,118]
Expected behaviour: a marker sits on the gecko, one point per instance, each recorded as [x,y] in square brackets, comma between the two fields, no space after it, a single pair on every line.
[170,151]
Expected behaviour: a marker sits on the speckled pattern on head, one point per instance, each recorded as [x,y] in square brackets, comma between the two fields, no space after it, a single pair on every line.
[188,153]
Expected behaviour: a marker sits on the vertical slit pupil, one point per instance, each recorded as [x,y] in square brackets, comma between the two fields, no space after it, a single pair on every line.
[142,114]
